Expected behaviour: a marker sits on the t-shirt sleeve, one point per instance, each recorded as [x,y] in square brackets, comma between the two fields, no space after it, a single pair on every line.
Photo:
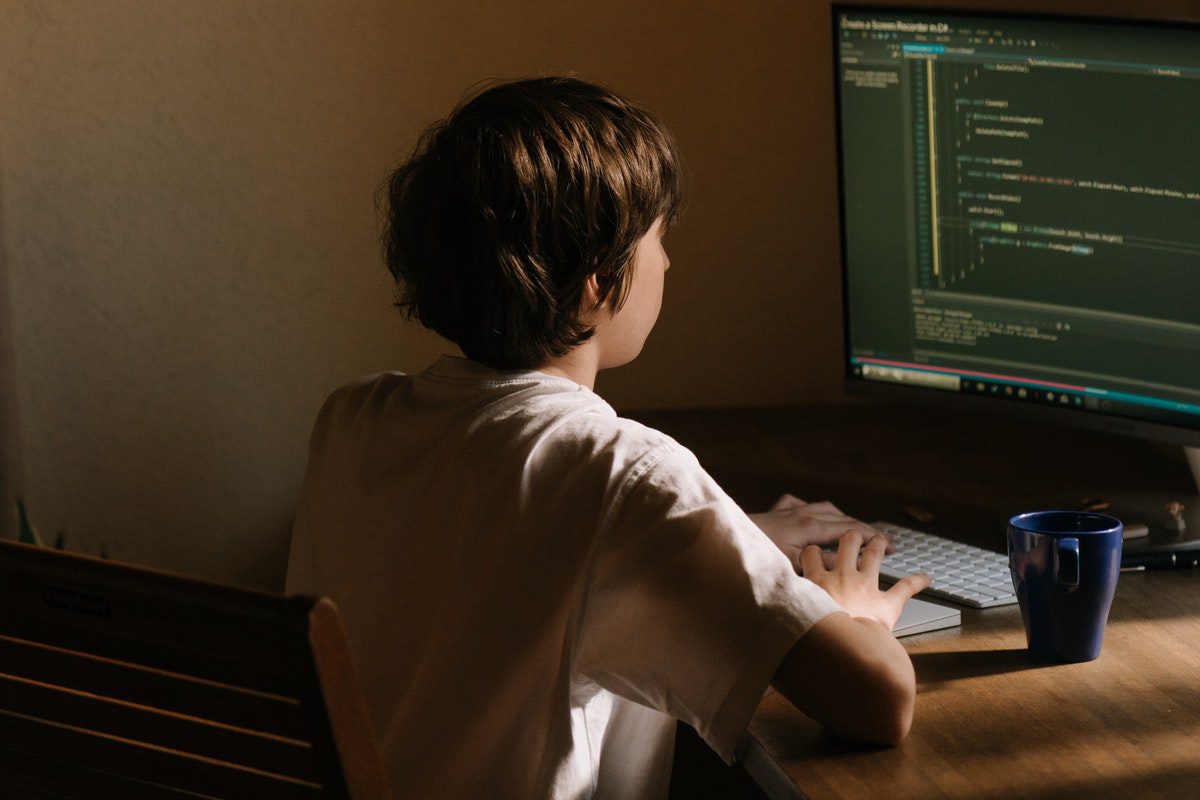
[690,608]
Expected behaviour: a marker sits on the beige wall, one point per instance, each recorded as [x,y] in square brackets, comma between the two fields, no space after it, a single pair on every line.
[189,222]
[189,233]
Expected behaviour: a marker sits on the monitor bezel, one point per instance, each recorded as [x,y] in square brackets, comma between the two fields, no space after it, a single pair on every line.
[958,400]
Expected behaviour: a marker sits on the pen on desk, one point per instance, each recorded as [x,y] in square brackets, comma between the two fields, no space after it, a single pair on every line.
[1167,560]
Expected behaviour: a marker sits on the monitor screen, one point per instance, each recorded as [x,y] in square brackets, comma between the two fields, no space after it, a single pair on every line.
[1020,210]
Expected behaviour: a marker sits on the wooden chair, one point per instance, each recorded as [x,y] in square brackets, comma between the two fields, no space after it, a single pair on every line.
[122,682]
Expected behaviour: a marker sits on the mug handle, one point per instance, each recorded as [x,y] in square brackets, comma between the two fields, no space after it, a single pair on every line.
[1066,563]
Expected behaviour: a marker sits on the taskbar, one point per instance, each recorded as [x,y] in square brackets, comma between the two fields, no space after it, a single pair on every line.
[1030,390]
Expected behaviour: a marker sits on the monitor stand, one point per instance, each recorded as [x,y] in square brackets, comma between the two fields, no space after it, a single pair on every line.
[1166,532]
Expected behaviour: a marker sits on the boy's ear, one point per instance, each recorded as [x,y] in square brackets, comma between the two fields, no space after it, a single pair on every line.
[589,303]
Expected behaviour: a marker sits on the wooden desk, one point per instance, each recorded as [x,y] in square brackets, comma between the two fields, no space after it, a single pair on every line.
[989,723]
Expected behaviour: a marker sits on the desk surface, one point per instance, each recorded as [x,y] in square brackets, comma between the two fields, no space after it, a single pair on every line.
[989,723]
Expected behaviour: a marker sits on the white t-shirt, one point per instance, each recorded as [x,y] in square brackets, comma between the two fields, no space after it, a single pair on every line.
[533,587]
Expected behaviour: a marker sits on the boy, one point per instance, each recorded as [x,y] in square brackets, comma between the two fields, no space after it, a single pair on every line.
[534,589]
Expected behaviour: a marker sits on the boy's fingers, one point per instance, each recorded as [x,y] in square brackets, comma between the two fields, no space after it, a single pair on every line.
[788,501]
[869,533]
[827,508]
[909,585]
[889,545]
[811,560]
[848,548]
[872,556]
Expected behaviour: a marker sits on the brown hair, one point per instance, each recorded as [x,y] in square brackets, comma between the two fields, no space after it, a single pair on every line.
[507,206]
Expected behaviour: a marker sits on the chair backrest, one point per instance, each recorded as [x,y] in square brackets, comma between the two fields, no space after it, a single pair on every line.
[118,681]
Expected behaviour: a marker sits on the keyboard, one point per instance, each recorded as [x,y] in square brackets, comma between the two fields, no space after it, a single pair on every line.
[961,572]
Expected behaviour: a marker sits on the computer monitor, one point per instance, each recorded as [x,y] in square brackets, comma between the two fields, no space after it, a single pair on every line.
[1020,214]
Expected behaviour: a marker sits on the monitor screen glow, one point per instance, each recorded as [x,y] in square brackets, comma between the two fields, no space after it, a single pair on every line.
[1020,212]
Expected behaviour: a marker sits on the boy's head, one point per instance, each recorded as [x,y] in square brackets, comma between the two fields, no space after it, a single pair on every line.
[508,206]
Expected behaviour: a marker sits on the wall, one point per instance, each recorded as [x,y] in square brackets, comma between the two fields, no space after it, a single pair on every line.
[189,232]
[10,450]
[191,237]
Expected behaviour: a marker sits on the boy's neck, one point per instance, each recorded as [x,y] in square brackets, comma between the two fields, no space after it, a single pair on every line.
[581,365]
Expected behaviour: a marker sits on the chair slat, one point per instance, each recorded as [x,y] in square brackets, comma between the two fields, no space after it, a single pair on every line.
[137,762]
[109,638]
[29,776]
[182,694]
[162,728]
[117,681]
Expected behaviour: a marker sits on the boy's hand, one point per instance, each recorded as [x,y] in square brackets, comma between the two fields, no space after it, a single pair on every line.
[854,583]
[793,524]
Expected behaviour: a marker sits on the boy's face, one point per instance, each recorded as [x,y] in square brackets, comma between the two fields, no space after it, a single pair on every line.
[622,335]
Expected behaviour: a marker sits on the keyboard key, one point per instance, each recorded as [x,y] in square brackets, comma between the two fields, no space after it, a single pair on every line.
[960,572]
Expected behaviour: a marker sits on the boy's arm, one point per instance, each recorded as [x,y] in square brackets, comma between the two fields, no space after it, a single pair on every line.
[852,676]
[848,672]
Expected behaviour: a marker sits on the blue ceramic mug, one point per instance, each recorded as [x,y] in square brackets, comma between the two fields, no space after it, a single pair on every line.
[1064,567]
